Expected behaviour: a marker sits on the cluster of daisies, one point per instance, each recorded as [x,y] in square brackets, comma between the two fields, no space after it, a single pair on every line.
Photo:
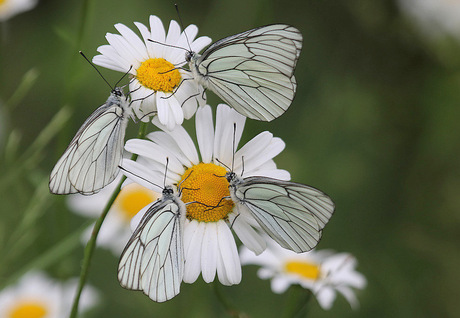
[169,156]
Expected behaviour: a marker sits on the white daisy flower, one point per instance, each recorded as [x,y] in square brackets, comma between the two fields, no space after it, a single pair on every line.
[323,272]
[115,231]
[209,245]
[37,295]
[10,8]
[434,17]
[158,84]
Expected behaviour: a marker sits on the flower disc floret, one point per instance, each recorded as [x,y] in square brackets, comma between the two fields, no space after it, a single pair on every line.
[158,74]
[303,269]
[206,187]
[30,309]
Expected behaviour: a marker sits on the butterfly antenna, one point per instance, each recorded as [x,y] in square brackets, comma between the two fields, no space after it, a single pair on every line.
[127,72]
[233,145]
[81,53]
[138,176]
[168,45]
[217,159]
[166,171]
[182,25]
[242,163]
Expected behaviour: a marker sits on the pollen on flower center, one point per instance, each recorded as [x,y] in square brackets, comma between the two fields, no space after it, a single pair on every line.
[205,185]
[305,269]
[31,309]
[158,74]
[132,198]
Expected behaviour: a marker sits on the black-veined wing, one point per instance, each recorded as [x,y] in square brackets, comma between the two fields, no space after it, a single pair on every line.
[91,160]
[291,213]
[252,71]
[153,259]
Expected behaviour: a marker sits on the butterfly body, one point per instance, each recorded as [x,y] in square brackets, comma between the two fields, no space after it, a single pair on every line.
[293,214]
[252,71]
[91,160]
[153,259]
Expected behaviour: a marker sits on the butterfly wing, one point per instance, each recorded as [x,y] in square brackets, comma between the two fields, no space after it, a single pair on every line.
[91,160]
[153,259]
[253,71]
[291,213]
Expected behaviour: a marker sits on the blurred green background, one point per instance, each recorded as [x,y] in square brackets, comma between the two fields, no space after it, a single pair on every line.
[374,124]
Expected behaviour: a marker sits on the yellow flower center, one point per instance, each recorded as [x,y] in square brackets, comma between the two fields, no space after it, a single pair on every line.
[132,198]
[29,309]
[303,269]
[204,185]
[2,1]
[158,75]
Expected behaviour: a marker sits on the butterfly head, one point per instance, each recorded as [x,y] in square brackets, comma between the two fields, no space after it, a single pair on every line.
[117,91]
[168,190]
[189,55]
[231,177]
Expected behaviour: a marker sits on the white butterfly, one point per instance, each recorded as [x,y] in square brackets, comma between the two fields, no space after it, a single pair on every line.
[153,259]
[291,213]
[252,71]
[91,160]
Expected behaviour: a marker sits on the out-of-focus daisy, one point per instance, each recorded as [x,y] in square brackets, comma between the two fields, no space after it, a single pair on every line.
[38,296]
[10,8]
[323,272]
[158,83]
[209,245]
[435,17]
[115,230]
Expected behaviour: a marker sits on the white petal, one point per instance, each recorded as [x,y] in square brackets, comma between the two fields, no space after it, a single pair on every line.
[176,110]
[326,297]
[183,140]
[156,153]
[189,230]
[209,252]
[142,175]
[249,237]
[157,34]
[279,285]
[205,132]
[258,151]
[349,295]
[124,50]
[104,62]
[173,34]
[275,174]
[200,43]
[167,142]
[189,95]
[163,109]
[221,272]
[133,40]
[227,248]
[229,128]
[193,256]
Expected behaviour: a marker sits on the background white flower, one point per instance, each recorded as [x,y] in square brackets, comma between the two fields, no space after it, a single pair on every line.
[209,244]
[10,8]
[37,295]
[323,272]
[434,17]
[115,231]
[158,83]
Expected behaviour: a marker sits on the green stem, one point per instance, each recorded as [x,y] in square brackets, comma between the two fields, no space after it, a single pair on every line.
[229,308]
[298,304]
[50,256]
[90,246]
